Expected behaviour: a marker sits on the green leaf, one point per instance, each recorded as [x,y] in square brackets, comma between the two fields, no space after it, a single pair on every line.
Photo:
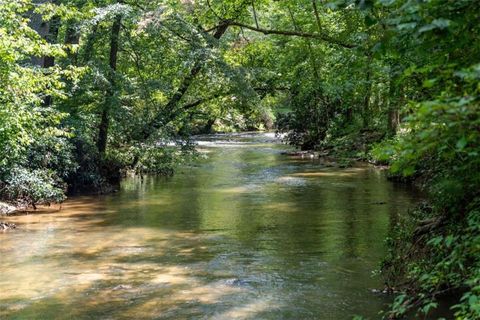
[461,144]
[406,26]
[429,83]
[436,24]
[387,2]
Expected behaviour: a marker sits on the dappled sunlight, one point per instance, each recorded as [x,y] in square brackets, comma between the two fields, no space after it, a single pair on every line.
[190,293]
[245,234]
[331,173]
[239,189]
[289,180]
[249,310]
[89,260]
[173,276]
[208,294]
[280,207]
[229,151]
[99,264]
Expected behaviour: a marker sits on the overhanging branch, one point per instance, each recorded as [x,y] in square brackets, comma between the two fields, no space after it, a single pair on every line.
[294,33]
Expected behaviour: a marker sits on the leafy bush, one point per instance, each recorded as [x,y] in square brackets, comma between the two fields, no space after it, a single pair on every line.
[53,153]
[94,174]
[435,251]
[33,187]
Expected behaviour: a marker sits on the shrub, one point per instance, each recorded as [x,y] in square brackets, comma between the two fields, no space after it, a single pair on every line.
[436,249]
[33,187]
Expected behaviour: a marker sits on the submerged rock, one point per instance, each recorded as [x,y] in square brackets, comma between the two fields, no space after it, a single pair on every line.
[236,282]
[6,226]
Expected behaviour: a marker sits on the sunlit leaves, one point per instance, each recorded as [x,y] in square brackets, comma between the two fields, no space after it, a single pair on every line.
[23,86]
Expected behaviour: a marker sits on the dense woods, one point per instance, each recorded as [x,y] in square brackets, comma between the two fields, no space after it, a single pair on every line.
[91,89]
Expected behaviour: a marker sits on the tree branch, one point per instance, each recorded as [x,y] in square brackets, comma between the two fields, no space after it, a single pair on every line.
[192,105]
[158,121]
[255,14]
[294,34]
[317,17]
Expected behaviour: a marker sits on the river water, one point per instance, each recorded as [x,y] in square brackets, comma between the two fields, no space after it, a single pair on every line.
[245,233]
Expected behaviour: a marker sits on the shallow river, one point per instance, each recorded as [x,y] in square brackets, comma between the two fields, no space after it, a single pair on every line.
[246,233]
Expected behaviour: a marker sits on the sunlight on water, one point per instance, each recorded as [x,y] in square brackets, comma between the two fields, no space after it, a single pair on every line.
[248,233]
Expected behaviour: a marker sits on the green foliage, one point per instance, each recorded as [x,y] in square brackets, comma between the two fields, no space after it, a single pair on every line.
[90,176]
[34,151]
[336,75]
[31,187]
[52,153]
[164,160]
[433,259]
[437,250]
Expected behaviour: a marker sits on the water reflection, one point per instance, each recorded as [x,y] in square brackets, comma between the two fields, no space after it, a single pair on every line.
[247,233]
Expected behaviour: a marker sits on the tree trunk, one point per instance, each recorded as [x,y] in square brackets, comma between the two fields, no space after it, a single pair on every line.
[393,121]
[49,61]
[393,115]
[209,126]
[317,16]
[89,46]
[393,118]
[255,14]
[368,93]
[71,38]
[48,30]
[110,95]
[41,27]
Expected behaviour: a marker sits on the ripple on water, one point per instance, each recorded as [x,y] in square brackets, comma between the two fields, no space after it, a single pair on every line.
[246,234]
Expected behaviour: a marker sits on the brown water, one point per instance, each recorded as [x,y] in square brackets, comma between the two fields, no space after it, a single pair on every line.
[247,233]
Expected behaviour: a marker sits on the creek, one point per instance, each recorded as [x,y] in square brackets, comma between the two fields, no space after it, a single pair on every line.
[245,233]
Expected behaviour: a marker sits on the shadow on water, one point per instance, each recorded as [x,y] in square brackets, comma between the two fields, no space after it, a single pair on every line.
[247,233]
